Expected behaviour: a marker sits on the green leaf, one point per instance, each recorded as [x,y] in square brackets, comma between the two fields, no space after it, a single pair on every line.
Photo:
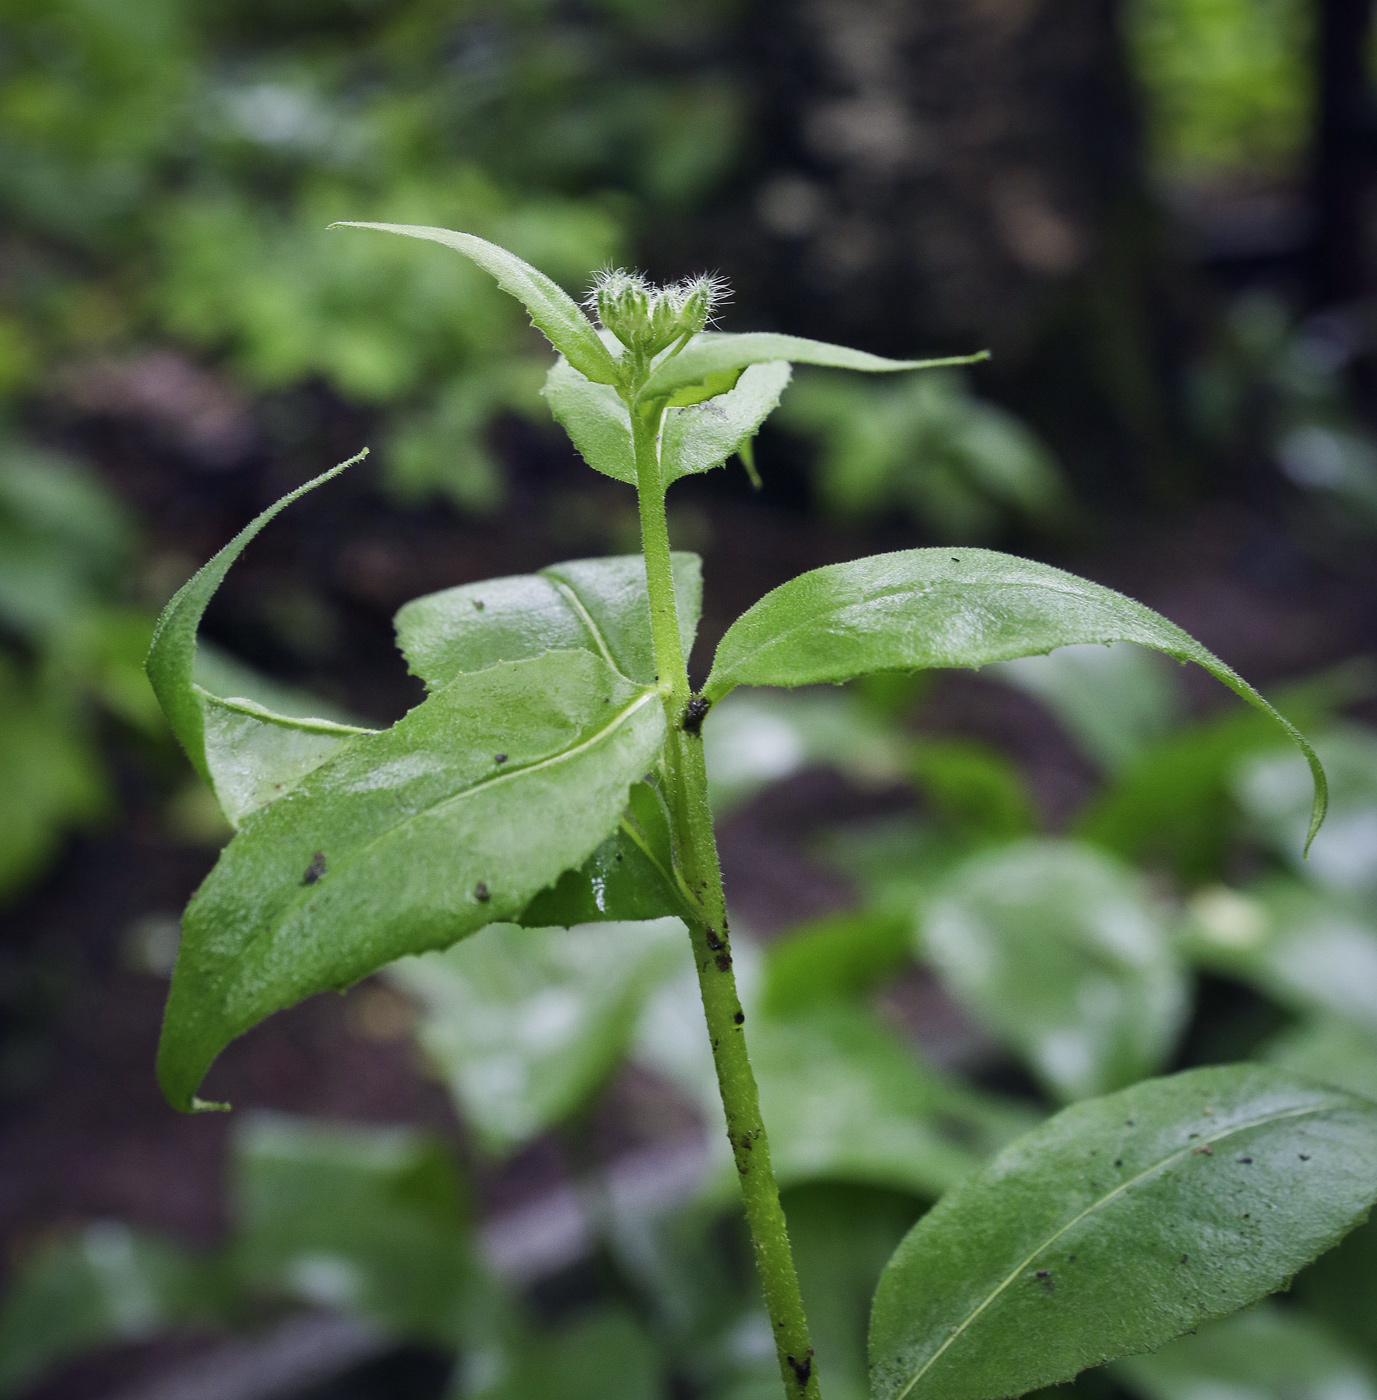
[700,438]
[525,1024]
[709,387]
[1269,1353]
[406,841]
[605,1356]
[1118,1225]
[249,754]
[106,1284]
[1329,1050]
[596,419]
[835,958]
[920,608]
[365,1220]
[599,605]
[1058,950]
[552,310]
[629,877]
[712,352]
[1341,1288]
[1307,950]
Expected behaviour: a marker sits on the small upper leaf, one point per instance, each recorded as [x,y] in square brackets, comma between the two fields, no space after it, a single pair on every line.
[713,352]
[1118,1225]
[454,818]
[250,755]
[553,311]
[699,438]
[596,419]
[920,608]
[599,605]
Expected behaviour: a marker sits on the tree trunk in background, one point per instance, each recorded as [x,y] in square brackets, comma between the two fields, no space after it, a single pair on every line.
[935,176]
[1344,154]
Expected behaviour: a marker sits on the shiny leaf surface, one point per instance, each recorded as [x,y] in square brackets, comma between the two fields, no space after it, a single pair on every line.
[1117,1225]
[699,438]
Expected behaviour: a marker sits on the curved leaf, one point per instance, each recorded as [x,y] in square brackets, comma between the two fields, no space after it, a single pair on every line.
[1057,949]
[702,437]
[248,754]
[713,352]
[920,608]
[406,841]
[552,310]
[1118,1225]
[599,605]
[595,418]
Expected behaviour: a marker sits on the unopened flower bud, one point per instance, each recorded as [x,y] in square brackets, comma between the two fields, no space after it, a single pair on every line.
[649,319]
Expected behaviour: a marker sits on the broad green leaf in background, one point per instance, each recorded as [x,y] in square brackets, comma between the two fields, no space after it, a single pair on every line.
[602,1356]
[525,1024]
[366,1220]
[1119,1224]
[921,608]
[1115,700]
[703,436]
[979,793]
[1343,856]
[106,1284]
[552,310]
[845,1099]
[249,754]
[1268,1353]
[1341,1288]
[405,841]
[1058,950]
[839,957]
[716,352]
[598,605]
[1306,949]
[1330,1050]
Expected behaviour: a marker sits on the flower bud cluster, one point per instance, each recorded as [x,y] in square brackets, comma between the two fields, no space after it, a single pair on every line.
[647,318]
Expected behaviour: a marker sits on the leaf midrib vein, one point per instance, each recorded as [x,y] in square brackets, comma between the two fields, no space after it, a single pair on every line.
[584,616]
[1094,1206]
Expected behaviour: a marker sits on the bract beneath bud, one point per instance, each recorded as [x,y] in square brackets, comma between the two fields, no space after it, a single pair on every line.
[649,319]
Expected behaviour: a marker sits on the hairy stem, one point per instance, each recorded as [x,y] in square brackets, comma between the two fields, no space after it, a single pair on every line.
[696,851]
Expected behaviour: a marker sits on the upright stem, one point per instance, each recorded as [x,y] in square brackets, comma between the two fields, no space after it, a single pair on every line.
[696,851]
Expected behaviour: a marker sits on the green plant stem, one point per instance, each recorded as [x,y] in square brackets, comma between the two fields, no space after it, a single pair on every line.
[696,851]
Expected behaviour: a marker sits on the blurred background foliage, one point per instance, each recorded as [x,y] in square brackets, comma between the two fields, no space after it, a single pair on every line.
[971,905]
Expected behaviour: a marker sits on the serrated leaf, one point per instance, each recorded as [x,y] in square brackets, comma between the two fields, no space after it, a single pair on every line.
[1269,1353]
[629,877]
[700,438]
[1117,1225]
[713,352]
[921,608]
[406,841]
[599,605]
[525,1024]
[1057,949]
[367,1220]
[250,755]
[596,419]
[552,310]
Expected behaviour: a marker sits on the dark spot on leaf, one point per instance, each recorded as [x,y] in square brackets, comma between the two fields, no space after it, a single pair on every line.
[1185,1258]
[315,870]
[1247,1161]
[1305,1156]
[481,892]
[1128,1122]
[1245,1215]
[1070,1258]
[478,603]
[723,961]
[1204,1148]
[714,942]
[739,1018]
[955,560]
[694,713]
[1118,1161]
[499,758]
[1192,1135]
[1044,1273]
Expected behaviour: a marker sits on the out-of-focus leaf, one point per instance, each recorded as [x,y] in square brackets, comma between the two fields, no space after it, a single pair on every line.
[1308,950]
[552,310]
[367,1220]
[525,1024]
[1268,1353]
[978,792]
[1058,950]
[249,754]
[405,841]
[1332,1051]
[712,352]
[107,1284]
[1341,1288]
[842,1237]
[597,605]
[1115,700]
[699,438]
[834,958]
[1120,1224]
[604,1356]
[921,608]
[1343,856]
